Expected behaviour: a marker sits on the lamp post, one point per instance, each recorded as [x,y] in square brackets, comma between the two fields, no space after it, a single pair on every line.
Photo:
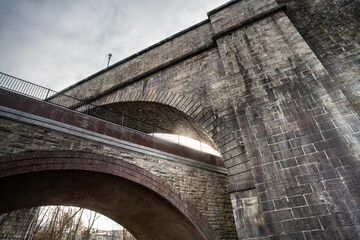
[109,59]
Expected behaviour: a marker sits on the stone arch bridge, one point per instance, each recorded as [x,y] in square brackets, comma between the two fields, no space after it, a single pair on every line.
[274,91]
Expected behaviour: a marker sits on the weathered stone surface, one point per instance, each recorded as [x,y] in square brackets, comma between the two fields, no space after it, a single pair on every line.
[275,91]
[18,224]
[331,28]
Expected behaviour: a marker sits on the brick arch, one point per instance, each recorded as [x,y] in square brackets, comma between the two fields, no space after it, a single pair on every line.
[132,196]
[205,116]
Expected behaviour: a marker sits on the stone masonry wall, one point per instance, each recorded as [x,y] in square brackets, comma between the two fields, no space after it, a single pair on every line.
[331,28]
[18,224]
[300,133]
[205,189]
[236,13]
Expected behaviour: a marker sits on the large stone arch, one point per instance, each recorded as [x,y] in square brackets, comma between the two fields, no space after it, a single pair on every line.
[130,195]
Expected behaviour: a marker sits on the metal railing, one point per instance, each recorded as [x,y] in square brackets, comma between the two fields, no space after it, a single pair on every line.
[23,87]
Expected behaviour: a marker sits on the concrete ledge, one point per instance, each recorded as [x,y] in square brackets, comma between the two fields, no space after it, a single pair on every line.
[218,9]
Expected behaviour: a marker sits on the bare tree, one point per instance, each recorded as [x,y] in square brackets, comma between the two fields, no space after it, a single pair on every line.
[92,217]
[60,223]
[72,235]
[57,223]
[66,222]
[41,219]
[127,235]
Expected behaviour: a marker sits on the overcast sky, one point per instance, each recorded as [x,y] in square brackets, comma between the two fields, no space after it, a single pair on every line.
[56,43]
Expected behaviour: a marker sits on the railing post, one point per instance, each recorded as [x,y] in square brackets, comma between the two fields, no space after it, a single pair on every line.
[87,109]
[47,94]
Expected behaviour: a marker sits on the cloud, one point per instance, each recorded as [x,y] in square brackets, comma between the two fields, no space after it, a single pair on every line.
[55,43]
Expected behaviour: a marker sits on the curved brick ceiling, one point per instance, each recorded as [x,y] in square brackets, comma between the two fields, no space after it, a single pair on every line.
[165,117]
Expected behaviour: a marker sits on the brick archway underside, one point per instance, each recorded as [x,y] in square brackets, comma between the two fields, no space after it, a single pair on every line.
[178,113]
[165,118]
[133,197]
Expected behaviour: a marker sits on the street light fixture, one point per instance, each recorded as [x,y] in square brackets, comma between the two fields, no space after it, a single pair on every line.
[109,59]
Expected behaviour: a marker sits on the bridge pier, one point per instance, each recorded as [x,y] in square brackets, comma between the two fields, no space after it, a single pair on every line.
[291,117]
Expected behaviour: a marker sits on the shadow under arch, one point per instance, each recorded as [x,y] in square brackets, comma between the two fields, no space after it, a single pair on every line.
[165,117]
[141,202]
[181,114]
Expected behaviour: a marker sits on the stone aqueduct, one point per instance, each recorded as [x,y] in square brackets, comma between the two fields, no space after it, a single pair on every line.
[273,85]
